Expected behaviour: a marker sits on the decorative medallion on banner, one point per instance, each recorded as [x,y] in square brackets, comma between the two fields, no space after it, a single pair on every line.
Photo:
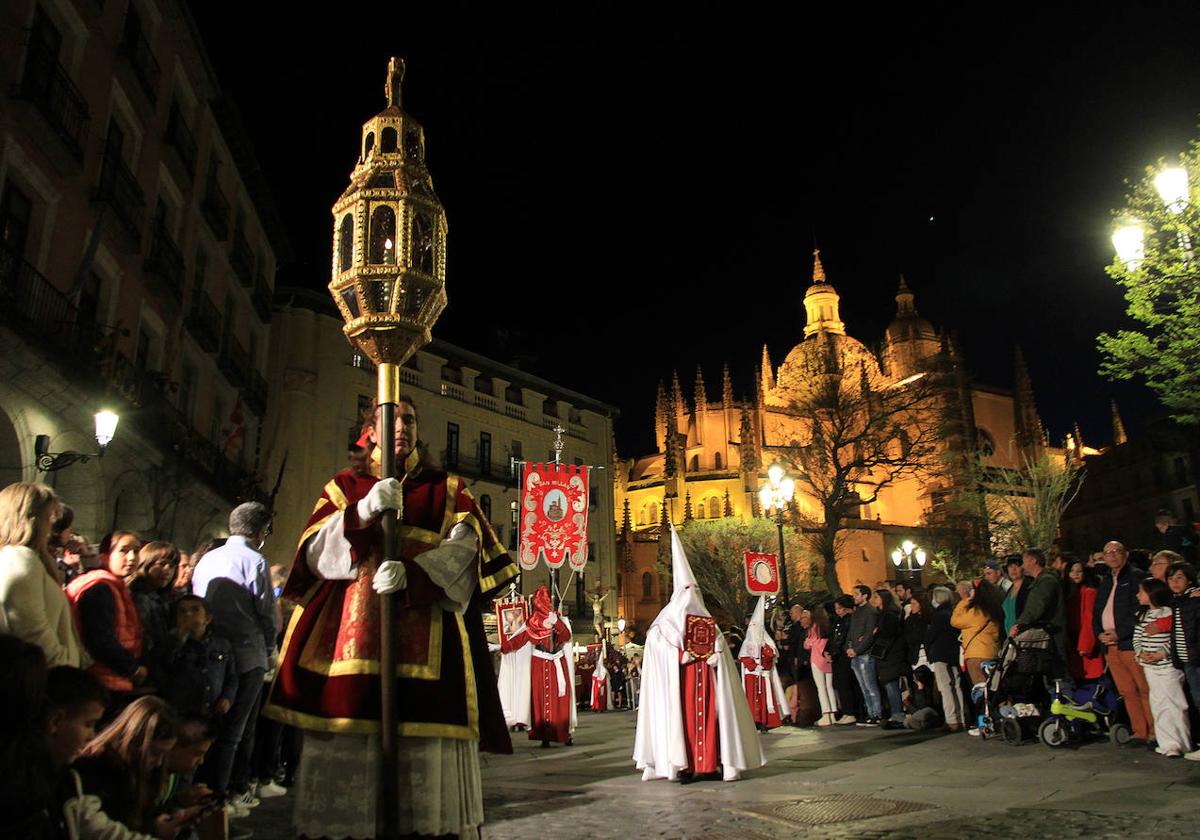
[554,500]
[762,573]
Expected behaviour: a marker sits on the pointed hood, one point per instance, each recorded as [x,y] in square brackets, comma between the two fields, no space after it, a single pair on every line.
[601,672]
[681,569]
[685,596]
[756,632]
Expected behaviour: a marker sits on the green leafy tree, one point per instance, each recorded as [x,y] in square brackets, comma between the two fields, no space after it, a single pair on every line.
[1025,505]
[715,549]
[1161,292]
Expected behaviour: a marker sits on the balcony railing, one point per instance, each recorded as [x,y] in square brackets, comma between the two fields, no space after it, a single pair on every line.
[164,263]
[136,49]
[119,189]
[215,209]
[261,298]
[255,392]
[179,137]
[204,322]
[242,260]
[47,85]
[233,362]
[35,309]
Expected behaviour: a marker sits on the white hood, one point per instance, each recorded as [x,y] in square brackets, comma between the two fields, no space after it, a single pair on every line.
[756,633]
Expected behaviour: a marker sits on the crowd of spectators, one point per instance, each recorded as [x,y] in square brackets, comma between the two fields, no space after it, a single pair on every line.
[133,675]
[895,656]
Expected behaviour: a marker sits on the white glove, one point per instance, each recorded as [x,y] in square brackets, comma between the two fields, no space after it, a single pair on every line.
[686,658]
[714,659]
[389,577]
[551,619]
[384,495]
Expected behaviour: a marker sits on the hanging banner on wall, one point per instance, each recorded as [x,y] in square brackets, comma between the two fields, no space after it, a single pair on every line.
[554,514]
[762,573]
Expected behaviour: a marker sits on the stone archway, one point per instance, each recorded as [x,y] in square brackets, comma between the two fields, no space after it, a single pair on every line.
[12,462]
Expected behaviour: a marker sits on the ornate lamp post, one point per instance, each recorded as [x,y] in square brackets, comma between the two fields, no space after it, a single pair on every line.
[47,461]
[909,558]
[389,282]
[775,495]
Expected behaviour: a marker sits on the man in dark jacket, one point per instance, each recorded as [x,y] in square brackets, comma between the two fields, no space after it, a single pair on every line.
[844,684]
[1045,608]
[1113,620]
[859,640]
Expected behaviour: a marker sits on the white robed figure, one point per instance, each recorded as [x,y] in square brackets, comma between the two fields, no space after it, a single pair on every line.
[601,690]
[676,735]
[759,658]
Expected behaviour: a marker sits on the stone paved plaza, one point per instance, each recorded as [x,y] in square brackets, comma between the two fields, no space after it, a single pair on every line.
[840,782]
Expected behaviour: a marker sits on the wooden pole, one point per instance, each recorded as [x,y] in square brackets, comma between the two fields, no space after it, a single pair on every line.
[389,395]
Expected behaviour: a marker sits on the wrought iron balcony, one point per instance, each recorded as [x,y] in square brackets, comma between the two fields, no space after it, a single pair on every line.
[241,258]
[136,50]
[233,362]
[261,298]
[164,263]
[119,189]
[215,209]
[204,322]
[179,137]
[48,87]
[35,307]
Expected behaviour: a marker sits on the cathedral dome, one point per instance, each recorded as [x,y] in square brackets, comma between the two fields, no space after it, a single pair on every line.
[825,354]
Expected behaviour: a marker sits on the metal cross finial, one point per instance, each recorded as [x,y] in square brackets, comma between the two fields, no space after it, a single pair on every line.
[558,442]
[395,78]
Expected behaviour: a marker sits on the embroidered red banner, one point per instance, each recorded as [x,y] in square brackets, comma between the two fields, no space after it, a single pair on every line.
[762,573]
[554,506]
[700,636]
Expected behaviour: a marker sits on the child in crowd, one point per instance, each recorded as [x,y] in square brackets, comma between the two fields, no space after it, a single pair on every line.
[1167,701]
[125,767]
[202,680]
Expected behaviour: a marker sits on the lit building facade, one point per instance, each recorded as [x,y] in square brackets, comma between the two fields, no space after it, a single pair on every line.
[724,446]
[138,249]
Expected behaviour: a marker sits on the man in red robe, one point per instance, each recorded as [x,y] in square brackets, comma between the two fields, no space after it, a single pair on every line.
[328,681]
[551,680]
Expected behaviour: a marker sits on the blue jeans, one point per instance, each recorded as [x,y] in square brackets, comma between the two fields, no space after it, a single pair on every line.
[895,703]
[864,671]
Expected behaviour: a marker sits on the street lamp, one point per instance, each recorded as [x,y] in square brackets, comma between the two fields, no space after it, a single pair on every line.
[47,461]
[1172,186]
[775,495]
[909,558]
[1130,241]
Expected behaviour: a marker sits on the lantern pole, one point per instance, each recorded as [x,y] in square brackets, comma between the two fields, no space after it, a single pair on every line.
[555,595]
[389,396]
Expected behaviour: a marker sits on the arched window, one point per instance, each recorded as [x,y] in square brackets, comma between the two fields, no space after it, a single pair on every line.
[717,460]
[647,585]
[383,236]
[346,243]
[387,141]
[654,518]
[714,508]
[485,506]
[700,511]
[695,464]
[369,144]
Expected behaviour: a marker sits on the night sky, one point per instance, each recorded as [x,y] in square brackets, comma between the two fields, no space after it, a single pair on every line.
[632,192]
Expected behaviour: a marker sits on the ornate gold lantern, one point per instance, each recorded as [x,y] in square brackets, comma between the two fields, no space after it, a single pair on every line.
[389,238]
[389,281]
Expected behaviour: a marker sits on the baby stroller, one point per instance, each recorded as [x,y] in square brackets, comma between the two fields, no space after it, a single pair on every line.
[1015,698]
[1091,710]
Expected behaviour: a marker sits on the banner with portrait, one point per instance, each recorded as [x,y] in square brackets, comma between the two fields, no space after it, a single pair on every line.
[510,618]
[762,573]
[554,515]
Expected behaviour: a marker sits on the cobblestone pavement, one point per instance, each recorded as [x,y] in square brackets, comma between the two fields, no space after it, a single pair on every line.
[837,782]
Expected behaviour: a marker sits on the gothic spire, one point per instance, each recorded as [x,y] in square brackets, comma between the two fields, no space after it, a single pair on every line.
[1030,434]
[726,389]
[700,395]
[677,395]
[768,377]
[1118,427]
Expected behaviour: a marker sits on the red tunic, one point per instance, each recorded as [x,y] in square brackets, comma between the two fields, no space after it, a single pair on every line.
[757,686]
[550,713]
[599,694]
[700,732]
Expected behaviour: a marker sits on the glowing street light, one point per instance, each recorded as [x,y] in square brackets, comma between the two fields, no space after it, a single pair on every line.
[909,557]
[775,495]
[1172,186]
[1130,241]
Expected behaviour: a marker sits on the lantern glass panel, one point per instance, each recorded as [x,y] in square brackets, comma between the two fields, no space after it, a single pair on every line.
[346,243]
[421,256]
[379,294]
[382,250]
[351,301]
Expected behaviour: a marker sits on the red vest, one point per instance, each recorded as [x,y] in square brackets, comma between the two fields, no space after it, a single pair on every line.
[127,626]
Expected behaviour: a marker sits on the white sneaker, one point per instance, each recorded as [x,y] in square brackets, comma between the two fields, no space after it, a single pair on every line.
[845,720]
[247,800]
[1194,755]
[270,790]
[826,720]
[235,811]
[974,730]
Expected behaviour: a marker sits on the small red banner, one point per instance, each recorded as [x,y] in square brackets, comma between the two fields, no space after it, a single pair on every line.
[510,618]
[762,573]
[554,506]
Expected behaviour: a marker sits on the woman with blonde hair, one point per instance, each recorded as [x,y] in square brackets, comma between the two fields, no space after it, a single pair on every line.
[32,604]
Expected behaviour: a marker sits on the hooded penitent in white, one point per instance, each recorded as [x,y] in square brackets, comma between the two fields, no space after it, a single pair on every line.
[659,749]
[756,639]
[600,679]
